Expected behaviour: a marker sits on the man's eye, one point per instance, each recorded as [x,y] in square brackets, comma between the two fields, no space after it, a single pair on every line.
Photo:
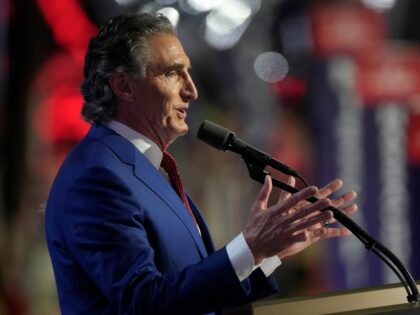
[171,74]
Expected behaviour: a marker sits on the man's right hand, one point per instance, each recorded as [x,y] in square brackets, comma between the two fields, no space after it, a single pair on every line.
[288,225]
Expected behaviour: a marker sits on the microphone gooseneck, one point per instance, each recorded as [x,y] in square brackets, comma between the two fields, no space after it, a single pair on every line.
[225,140]
[256,161]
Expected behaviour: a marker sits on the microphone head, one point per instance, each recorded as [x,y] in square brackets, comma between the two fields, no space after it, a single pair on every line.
[214,135]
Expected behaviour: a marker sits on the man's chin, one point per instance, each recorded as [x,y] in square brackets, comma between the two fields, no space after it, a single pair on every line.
[177,128]
[178,132]
[182,129]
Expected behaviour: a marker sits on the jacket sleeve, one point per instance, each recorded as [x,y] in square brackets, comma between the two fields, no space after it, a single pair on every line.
[106,233]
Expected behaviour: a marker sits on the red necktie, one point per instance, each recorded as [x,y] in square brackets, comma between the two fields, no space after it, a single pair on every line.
[169,165]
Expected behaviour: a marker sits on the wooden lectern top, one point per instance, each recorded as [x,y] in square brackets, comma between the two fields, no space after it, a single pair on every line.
[387,299]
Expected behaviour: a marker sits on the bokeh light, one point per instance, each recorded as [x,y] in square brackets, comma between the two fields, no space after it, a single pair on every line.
[379,5]
[125,2]
[271,66]
[202,5]
[171,13]
[225,24]
[165,2]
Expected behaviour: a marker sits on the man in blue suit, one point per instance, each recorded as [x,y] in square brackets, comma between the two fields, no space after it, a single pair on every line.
[123,236]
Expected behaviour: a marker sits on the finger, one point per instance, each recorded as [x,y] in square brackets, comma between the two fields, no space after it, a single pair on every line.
[323,192]
[291,181]
[328,189]
[347,210]
[262,200]
[313,236]
[299,237]
[283,207]
[307,213]
[343,199]
[336,232]
[312,223]
[351,209]
[310,237]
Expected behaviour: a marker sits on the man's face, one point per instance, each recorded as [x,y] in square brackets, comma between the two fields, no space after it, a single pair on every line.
[162,97]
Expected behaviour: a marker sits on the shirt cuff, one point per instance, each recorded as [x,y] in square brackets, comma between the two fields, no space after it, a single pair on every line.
[242,259]
[270,264]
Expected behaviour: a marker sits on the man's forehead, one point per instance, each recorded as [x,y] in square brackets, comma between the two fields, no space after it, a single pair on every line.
[166,48]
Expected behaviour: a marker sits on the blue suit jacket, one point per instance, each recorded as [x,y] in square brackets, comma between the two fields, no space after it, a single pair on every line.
[122,242]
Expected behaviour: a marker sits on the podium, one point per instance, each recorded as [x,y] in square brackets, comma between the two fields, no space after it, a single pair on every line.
[387,299]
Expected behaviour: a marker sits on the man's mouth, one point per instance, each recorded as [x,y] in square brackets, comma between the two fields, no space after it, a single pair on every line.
[182,112]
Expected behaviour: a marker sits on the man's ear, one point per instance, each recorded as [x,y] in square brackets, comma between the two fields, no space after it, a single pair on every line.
[120,85]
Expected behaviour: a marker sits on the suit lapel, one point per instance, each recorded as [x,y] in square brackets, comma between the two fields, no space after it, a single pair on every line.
[156,182]
[205,234]
[151,177]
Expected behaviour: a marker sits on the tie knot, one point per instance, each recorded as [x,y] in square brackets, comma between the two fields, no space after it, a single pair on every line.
[169,165]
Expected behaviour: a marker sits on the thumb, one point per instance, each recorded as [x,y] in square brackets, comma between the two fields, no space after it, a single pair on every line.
[262,200]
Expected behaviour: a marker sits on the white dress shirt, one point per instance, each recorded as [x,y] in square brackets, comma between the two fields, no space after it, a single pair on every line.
[238,250]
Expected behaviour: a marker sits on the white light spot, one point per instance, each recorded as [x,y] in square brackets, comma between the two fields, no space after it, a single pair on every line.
[202,5]
[271,66]
[165,2]
[236,10]
[225,24]
[125,2]
[379,5]
[171,13]
[222,23]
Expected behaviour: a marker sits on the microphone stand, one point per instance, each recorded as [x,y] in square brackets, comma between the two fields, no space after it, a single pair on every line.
[256,171]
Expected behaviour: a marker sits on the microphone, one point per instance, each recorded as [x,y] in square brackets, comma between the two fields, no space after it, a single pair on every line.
[225,140]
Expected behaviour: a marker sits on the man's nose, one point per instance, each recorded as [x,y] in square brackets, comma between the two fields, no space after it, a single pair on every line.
[189,91]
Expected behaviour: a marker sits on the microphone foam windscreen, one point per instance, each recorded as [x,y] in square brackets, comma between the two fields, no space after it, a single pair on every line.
[213,134]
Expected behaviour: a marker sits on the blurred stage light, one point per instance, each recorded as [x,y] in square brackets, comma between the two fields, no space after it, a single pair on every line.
[150,7]
[125,2]
[236,10]
[379,5]
[271,66]
[165,2]
[226,23]
[201,5]
[171,13]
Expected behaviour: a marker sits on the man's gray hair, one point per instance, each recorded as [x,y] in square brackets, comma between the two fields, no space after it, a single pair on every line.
[121,45]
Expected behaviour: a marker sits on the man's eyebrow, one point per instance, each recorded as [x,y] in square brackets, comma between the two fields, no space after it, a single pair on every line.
[176,66]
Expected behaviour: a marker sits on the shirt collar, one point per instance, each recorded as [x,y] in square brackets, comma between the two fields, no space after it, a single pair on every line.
[146,146]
